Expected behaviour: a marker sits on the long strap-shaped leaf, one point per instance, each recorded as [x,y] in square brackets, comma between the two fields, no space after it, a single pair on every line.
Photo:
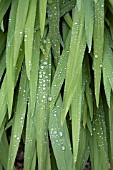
[76,53]
[98,45]
[79,4]
[9,57]
[76,117]
[111,1]
[3,92]
[42,112]
[21,15]
[4,150]
[111,127]
[30,140]
[87,84]
[83,143]
[66,7]
[4,5]
[107,86]
[29,34]
[60,73]
[18,119]
[89,21]
[54,18]
[99,132]
[107,67]
[42,8]
[34,70]
[60,138]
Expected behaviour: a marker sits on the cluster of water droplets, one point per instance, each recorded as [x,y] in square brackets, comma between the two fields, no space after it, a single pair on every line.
[99,131]
[57,138]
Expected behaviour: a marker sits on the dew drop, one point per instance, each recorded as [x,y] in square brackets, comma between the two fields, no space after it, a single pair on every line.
[61,134]
[40,76]
[96,56]
[75,23]
[41,67]
[44,97]
[49,98]
[44,41]
[17,138]
[45,63]
[25,36]
[63,148]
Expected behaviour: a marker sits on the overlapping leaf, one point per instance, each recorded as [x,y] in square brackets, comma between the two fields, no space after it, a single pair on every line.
[98,45]
[76,55]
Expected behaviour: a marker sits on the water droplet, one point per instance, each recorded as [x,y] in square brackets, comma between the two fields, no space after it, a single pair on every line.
[20,32]
[49,98]
[44,41]
[45,63]
[17,138]
[55,132]
[40,76]
[61,134]
[25,36]
[63,148]
[75,23]
[41,67]
[96,56]
[44,85]
[44,97]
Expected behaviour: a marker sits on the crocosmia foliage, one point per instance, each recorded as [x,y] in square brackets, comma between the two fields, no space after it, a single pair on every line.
[56,84]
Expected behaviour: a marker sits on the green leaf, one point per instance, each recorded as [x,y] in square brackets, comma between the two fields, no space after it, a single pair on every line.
[33,166]
[82,148]
[89,21]
[107,67]
[111,1]
[60,138]
[21,16]
[9,57]
[98,45]
[30,139]
[107,87]
[54,19]
[75,60]
[66,7]
[34,70]
[29,34]
[76,117]
[18,119]
[111,126]
[4,150]
[60,73]
[42,8]
[42,109]
[68,19]
[79,4]
[4,5]
[99,129]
